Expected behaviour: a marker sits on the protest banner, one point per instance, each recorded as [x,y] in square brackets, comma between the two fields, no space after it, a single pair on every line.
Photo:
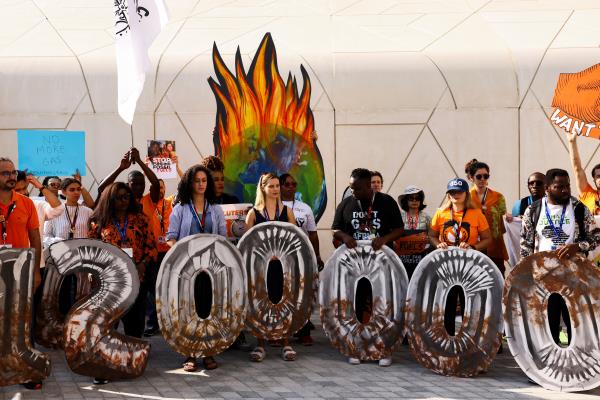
[47,153]
[160,158]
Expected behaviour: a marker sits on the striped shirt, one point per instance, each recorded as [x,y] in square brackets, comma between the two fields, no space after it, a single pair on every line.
[59,228]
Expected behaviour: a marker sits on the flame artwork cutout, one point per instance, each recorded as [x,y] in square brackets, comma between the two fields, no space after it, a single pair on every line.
[263,125]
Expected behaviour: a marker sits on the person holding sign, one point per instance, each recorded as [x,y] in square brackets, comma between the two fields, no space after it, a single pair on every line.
[588,194]
[414,243]
[493,206]
[195,212]
[560,223]
[458,222]
[119,220]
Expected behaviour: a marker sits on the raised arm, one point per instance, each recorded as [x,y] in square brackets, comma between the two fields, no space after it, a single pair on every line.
[154,182]
[123,165]
[48,195]
[88,201]
[580,178]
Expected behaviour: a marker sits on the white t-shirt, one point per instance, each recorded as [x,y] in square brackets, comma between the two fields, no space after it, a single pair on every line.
[546,237]
[303,214]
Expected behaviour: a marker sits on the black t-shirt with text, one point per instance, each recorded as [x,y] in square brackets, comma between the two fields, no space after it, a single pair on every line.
[385,216]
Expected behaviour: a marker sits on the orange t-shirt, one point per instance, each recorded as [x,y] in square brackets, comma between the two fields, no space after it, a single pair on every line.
[473,223]
[157,213]
[21,220]
[589,197]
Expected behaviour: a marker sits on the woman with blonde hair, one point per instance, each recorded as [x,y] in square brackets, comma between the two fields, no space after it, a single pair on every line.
[458,223]
[269,207]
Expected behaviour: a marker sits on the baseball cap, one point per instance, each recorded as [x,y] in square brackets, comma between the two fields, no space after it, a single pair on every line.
[458,184]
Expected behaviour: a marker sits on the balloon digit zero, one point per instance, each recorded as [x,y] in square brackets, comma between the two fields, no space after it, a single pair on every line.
[375,339]
[181,326]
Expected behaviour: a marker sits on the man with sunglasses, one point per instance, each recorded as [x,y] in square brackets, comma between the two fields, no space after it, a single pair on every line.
[537,190]
[588,195]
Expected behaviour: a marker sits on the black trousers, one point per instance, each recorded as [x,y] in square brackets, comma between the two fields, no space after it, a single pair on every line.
[556,308]
[134,319]
[151,276]
[456,294]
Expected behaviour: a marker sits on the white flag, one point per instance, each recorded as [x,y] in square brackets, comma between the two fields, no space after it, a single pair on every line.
[137,23]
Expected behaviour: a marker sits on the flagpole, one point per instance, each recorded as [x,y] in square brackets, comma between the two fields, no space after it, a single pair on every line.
[131,130]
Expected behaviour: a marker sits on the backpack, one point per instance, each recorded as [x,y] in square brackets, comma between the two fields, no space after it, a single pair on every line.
[578,210]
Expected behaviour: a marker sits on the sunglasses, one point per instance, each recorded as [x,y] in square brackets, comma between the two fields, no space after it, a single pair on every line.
[413,198]
[535,183]
[290,184]
[482,177]
[8,174]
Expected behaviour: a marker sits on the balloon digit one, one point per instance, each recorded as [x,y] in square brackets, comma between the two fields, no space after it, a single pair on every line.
[19,362]
[288,244]
[92,345]
[475,345]
[526,294]
[384,270]
[50,321]
[181,326]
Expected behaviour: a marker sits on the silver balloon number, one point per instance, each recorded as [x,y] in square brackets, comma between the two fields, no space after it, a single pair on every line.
[183,329]
[375,339]
[19,362]
[528,288]
[92,345]
[290,246]
[475,345]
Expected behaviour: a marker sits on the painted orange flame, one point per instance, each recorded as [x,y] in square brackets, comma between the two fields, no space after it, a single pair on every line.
[259,99]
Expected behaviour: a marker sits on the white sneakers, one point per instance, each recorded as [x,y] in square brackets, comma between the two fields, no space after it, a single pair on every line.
[384,362]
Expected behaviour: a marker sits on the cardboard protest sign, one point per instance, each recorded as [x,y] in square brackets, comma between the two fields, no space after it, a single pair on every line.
[46,153]
[160,158]
[235,217]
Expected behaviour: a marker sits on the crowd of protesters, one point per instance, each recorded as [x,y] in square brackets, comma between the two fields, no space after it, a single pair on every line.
[146,224]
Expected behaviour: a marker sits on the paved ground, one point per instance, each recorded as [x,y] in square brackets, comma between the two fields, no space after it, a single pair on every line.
[319,372]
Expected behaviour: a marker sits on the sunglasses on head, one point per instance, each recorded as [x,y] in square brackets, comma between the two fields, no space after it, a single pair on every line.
[535,183]
[482,176]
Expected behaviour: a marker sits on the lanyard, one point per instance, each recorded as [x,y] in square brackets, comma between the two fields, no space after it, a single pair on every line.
[369,213]
[457,226]
[199,221]
[123,230]
[413,223]
[4,220]
[483,199]
[556,230]
[161,216]
[266,213]
[72,222]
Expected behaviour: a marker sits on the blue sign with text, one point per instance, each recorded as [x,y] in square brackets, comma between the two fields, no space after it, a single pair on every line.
[45,153]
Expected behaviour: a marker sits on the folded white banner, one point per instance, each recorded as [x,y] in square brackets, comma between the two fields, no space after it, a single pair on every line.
[137,23]
[512,239]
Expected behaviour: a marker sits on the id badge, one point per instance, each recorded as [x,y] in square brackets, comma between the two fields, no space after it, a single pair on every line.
[553,247]
[6,246]
[162,240]
[372,236]
[128,251]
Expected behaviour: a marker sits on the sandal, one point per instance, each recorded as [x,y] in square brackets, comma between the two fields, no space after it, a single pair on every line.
[189,365]
[258,354]
[209,363]
[288,354]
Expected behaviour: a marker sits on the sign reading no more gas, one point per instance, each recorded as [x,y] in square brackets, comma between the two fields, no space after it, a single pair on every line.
[46,153]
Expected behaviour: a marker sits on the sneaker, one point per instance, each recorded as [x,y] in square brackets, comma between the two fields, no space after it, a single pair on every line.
[151,332]
[385,362]
[33,385]
[353,361]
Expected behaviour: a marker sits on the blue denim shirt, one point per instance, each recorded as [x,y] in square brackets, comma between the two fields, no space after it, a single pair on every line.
[182,218]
